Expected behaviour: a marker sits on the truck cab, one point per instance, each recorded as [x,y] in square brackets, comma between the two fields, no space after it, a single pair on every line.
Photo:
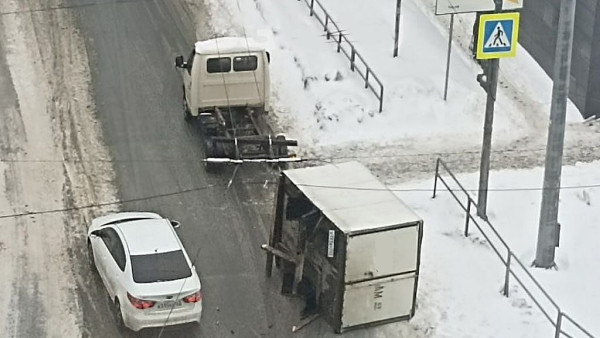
[224,73]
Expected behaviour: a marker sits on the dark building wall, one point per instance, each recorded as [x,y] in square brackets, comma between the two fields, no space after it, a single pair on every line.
[538,33]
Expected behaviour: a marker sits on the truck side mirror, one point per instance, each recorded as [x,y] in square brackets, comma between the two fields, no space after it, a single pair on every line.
[179,61]
[268,57]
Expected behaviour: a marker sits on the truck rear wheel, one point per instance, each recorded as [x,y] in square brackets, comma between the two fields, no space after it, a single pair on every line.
[211,150]
[279,152]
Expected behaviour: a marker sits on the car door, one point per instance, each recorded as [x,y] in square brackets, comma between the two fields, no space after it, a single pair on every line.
[115,261]
[101,253]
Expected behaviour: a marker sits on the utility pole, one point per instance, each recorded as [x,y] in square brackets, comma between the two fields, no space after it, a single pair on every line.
[549,228]
[489,81]
[396,36]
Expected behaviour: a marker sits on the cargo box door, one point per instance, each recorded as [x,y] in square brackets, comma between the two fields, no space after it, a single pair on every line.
[379,300]
[382,254]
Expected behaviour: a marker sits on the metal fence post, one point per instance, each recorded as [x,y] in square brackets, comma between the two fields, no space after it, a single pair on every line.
[381,100]
[468,217]
[507,274]
[437,169]
[558,325]
[340,38]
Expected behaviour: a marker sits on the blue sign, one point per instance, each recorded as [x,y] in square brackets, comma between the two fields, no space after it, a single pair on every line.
[498,35]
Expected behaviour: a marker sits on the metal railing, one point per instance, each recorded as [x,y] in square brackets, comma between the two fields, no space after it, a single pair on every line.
[347,48]
[522,275]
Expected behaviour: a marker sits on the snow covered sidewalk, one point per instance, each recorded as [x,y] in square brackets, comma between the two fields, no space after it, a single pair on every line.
[461,277]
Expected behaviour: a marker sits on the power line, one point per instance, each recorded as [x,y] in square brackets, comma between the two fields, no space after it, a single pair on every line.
[98,205]
[264,183]
[179,295]
[429,190]
[315,158]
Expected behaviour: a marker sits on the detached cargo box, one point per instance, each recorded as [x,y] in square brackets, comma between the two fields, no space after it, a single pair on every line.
[347,244]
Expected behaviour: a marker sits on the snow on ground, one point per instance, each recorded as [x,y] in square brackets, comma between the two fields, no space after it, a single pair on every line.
[318,100]
[461,276]
[315,89]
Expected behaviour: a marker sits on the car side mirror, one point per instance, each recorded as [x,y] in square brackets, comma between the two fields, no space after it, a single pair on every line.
[175,224]
[96,233]
[179,61]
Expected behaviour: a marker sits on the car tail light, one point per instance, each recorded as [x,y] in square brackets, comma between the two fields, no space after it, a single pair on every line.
[140,303]
[193,298]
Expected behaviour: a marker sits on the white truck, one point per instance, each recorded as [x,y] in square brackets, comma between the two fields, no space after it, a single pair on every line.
[226,86]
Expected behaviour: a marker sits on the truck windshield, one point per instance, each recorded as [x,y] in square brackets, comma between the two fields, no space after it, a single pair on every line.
[159,267]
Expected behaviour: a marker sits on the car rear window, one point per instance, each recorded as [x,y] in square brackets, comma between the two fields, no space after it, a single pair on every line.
[159,267]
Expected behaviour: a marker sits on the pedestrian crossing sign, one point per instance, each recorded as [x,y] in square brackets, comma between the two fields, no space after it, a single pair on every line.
[498,35]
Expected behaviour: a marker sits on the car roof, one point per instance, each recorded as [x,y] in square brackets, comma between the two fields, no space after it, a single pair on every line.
[148,236]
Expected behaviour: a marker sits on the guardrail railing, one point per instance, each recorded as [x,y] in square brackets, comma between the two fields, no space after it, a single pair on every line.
[357,62]
[519,272]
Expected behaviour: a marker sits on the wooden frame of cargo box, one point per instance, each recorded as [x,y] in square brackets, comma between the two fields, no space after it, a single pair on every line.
[352,239]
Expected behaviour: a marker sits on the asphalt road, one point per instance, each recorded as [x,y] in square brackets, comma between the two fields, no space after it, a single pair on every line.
[132,45]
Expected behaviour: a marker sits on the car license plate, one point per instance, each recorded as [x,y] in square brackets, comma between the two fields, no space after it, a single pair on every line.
[168,305]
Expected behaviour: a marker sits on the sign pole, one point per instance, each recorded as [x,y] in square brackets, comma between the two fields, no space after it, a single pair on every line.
[398,6]
[448,58]
[549,228]
[486,149]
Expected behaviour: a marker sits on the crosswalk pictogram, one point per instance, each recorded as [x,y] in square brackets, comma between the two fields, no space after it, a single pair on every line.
[498,35]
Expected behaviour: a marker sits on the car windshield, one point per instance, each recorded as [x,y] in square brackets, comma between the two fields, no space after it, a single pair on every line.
[159,267]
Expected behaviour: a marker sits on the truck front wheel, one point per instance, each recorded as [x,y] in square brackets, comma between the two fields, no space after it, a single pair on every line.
[187,115]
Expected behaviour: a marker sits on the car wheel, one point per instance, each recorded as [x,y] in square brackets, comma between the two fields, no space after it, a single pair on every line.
[119,315]
[90,255]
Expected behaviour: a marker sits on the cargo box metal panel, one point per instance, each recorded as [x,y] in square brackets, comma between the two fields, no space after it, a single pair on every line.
[354,243]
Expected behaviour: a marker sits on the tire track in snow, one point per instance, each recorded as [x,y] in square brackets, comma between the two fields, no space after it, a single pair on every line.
[50,116]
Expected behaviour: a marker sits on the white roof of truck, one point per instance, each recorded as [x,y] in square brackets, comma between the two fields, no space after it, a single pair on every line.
[226,45]
[351,197]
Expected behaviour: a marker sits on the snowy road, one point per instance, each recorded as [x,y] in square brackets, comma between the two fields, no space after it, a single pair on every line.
[137,95]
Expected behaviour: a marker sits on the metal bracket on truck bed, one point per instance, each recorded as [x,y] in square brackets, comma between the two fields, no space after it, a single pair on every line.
[253,160]
[250,149]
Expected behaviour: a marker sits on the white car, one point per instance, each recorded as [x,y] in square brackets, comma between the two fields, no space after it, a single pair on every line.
[145,269]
